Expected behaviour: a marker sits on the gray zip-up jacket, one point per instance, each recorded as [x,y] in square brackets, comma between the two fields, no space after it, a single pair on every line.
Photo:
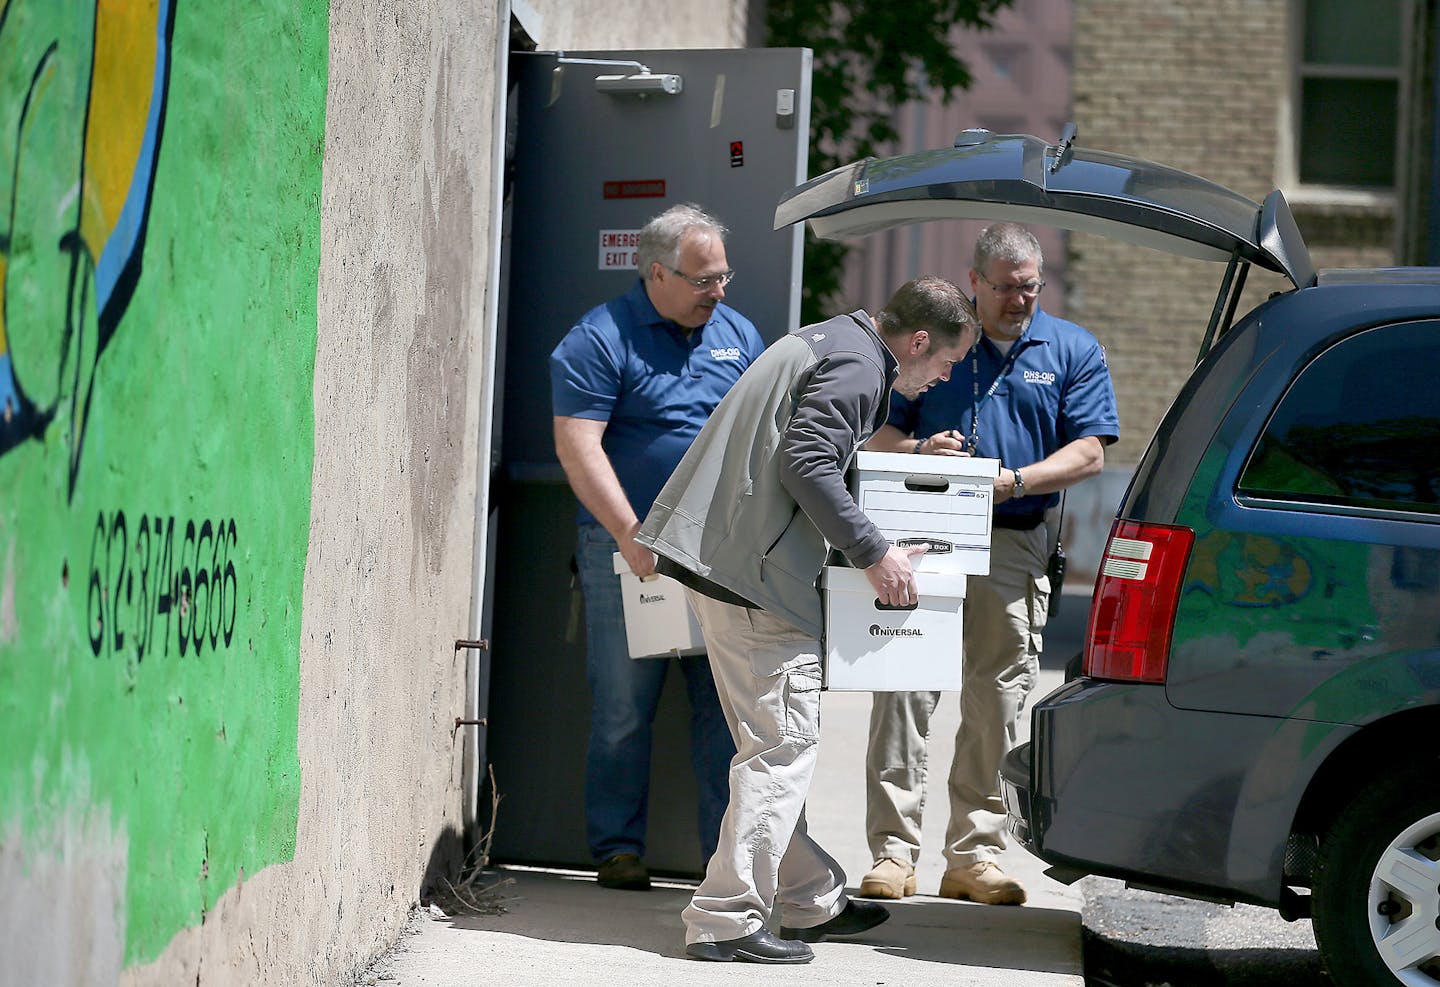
[761,495]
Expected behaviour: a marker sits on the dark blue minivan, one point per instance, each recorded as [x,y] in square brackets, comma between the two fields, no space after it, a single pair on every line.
[1256,714]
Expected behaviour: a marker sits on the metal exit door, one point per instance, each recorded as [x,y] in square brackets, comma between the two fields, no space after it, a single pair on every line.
[602,142]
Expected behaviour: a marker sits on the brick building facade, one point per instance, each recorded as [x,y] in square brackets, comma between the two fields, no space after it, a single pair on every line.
[1223,90]
[1216,89]
[1212,89]
[1020,83]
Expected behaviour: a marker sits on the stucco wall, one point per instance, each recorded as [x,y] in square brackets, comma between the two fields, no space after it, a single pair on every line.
[246,299]
[600,24]
[403,218]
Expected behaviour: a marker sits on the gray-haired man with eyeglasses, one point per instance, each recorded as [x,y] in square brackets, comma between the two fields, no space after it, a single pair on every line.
[1036,394]
[632,383]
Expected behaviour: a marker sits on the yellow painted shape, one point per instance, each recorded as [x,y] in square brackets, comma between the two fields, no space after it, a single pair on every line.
[120,91]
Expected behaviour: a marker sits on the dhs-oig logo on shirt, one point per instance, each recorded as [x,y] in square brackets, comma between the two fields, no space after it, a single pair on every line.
[725,353]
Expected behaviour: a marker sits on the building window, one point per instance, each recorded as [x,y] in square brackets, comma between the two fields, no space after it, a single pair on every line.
[1350,93]
[1008,63]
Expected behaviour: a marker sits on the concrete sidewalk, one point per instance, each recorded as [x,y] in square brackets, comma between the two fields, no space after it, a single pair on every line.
[559,926]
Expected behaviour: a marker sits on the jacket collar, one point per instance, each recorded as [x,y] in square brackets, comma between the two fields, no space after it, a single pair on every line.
[891,364]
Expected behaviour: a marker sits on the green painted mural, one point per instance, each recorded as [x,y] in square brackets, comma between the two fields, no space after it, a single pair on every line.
[160,174]
[1240,586]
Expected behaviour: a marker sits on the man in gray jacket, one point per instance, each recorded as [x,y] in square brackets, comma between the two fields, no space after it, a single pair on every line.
[745,522]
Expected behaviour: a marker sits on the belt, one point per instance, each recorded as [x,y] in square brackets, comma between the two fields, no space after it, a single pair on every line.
[1019,522]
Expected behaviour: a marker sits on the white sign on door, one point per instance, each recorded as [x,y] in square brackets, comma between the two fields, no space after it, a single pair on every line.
[617,249]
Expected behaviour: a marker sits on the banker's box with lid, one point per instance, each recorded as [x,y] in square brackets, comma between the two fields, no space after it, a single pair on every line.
[870,647]
[942,501]
[658,620]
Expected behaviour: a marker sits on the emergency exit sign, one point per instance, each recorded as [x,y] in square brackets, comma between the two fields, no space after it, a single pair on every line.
[617,249]
[653,188]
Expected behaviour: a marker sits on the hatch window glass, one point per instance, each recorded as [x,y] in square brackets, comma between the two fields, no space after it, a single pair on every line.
[1358,427]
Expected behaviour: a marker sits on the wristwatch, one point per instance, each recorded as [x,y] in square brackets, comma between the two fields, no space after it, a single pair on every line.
[1019,483]
[918,444]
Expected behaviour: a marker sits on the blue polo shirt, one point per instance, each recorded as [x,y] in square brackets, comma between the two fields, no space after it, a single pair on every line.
[625,365]
[1057,390]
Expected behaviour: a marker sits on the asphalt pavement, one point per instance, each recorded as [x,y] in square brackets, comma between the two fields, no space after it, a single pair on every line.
[550,926]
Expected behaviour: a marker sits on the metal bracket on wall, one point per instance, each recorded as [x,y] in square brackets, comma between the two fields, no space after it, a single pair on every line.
[642,82]
[479,644]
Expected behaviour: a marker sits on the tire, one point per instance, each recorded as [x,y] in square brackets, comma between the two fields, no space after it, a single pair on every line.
[1377,885]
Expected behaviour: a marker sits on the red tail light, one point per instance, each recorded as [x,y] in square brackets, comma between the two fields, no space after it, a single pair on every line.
[1135,600]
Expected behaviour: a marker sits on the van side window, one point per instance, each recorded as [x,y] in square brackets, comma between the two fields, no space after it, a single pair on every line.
[1358,426]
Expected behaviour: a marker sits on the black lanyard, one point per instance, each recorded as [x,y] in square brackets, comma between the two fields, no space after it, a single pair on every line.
[980,399]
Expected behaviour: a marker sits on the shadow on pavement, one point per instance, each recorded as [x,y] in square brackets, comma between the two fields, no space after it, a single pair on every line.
[1120,964]
[568,907]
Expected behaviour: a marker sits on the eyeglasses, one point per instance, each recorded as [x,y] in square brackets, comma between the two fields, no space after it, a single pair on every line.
[1029,289]
[707,282]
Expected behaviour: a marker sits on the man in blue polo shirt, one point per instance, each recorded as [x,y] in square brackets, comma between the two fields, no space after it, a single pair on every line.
[632,383]
[1034,393]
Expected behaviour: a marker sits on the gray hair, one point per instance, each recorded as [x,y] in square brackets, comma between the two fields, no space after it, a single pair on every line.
[660,238]
[1008,242]
[932,303]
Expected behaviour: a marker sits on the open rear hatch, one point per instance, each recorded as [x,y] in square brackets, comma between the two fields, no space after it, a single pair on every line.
[1022,178]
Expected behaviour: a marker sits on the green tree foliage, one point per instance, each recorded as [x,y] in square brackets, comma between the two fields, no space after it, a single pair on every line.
[871,57]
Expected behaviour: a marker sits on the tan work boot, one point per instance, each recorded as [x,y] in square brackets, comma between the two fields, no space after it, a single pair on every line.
[984,882]
[891,878]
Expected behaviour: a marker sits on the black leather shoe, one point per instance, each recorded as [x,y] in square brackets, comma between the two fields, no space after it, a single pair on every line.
[624,871]
[760,946]
[858,916]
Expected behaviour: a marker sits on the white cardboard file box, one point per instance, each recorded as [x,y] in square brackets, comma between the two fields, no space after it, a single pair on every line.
[943,500]
[872,649]
[658,621]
